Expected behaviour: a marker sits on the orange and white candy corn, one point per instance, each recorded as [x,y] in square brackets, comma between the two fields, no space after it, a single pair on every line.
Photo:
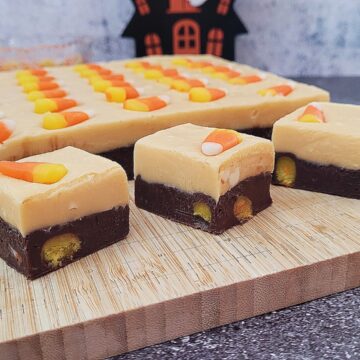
[97,77]
[313,113]
[181,61]
[35,72]
[102,85]
[184,85]
[220,140]
[120,94]
[36,172]
[56,93]
[199,64]
[246,79]
[40,86]
[43,106]
[34,79]
[81,67]
[225,75]
[137,64]
[7,128]
[283,90]
[213,69]
[146,104]
[54,121]
[170,72]
[202,94]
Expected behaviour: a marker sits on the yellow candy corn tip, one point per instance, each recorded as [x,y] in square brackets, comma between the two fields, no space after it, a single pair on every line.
[180,61]
[199,94]
[309,118]
[22,73]
[87,73]
[34,95]
[153,74]
[80,67]
[49,173]
[266,92]
[116,94]
[133,65]
[54,121]
[101,85]
[135,105]
[28,87]
[43,106]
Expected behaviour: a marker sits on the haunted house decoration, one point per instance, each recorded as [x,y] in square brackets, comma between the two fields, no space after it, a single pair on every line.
[179,27]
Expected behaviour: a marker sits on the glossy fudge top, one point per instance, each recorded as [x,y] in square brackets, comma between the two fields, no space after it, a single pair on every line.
[89,184]
[202,89]
[323,133]
[192,158]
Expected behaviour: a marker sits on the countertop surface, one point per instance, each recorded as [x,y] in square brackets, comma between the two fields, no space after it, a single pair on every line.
[328,328]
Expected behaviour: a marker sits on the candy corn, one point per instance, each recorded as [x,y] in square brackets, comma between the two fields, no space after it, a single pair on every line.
[225,75]
[198,64]
[312,114]
[102,85]
[146,104]
[213,69]
[245,79]
[168,80]
[181,61]
[43,106]
[137,64]
[117,77]
[201,94]
[7,127]
[53,121]
[34,79]
[220,140]
[44,85]
[120,94]
[170,72]
[88,73]
[57,93]
[36,172]
[153,74]
[282,90]
[186,84]
[36,72]
[81,67]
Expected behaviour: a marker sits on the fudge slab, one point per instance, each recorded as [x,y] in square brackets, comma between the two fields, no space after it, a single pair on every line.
[113,130]
[44,227]
[321,156]
[174,178]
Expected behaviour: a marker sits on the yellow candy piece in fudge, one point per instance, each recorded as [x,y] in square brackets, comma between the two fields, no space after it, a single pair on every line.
[153,74]
[243,208]
[203,210]
[285,171]
[48,173]
[60,248]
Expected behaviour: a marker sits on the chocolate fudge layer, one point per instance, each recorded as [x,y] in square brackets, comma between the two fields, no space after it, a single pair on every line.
[328,179]
[317,149]
[232,208]
[45,250]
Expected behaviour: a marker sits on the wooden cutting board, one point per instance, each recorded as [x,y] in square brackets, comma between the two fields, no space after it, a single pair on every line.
[167,280]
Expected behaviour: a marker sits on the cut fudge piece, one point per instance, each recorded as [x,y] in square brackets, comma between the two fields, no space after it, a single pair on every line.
[210,179]
[318,149]
[201,89]
[58,207]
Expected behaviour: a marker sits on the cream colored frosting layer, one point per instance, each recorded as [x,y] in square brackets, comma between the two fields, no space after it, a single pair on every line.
[113,127]
[335,142]
[93,184]
[173,157]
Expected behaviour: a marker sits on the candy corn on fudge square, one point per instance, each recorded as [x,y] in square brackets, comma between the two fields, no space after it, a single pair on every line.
[318,149]
[105,108]
[210,179]
[58,207]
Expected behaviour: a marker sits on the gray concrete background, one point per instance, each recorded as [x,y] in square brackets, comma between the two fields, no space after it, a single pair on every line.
[290,37]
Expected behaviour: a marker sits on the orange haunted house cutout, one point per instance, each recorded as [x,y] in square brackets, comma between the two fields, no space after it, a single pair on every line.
[177,27]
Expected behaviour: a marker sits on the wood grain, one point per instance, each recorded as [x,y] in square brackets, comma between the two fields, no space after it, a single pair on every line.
[167,280]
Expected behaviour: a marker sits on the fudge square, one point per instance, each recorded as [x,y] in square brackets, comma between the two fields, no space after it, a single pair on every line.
[210,179]
[58,207]
[318,149]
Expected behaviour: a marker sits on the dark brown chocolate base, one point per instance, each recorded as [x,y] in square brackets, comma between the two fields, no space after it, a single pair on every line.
[125,156]
[326,179]
[94,231]
[177,205]
[260,132]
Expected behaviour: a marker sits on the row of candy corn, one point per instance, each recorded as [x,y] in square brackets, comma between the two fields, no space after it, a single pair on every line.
[51,99]
[198,92]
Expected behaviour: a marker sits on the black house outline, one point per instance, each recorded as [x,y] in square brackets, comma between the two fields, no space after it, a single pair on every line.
[154,22]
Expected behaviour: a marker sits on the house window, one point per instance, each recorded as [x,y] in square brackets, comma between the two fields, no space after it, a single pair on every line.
[153,44]
[223,7]
[143,7]
[215,42]
[181,6]
[186,37]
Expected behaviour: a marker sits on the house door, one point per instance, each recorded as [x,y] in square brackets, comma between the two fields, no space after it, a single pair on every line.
[186,37]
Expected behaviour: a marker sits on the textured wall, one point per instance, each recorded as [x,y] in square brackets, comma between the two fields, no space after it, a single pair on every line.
[291,37]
